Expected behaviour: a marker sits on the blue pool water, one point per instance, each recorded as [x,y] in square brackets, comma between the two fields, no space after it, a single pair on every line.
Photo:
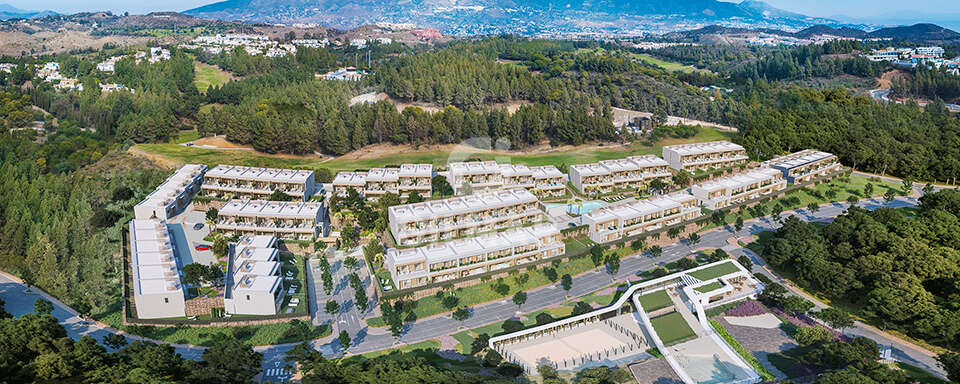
[573,208]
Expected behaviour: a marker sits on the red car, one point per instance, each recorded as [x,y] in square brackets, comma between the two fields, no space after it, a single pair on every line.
[202,247]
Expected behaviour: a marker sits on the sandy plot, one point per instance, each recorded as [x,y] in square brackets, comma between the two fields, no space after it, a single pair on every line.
[568,347]
[766,320]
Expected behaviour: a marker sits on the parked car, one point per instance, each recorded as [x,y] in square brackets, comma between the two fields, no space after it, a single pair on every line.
[572,224]
[197,226]
[203,247]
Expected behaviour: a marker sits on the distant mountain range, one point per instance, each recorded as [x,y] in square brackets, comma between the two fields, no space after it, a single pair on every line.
[923,32]
[517,16]
[10,12]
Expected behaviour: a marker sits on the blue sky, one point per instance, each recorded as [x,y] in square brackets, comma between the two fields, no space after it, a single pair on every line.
[892,11]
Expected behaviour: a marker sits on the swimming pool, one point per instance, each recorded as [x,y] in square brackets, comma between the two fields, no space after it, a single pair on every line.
[574,208]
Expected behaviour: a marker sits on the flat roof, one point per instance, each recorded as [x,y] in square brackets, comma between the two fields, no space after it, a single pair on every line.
[167,192]
[739,180]
[701,148]
[488,242]
[474,168]
[261,174]
[350,178]
[457,205]
[511,170]
[798,159]
[546,171]
[264,208]
[154,266]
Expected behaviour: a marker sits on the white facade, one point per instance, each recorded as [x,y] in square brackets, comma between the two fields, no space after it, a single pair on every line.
[608,176]
[438,220]
[548,182]
[155,274]
[704,156]
[378,181]
[440,262]
[799,167]
[475,176]
[254,285]
[614,222]
[174,195]
[254,183]
[287,220]
[735,189]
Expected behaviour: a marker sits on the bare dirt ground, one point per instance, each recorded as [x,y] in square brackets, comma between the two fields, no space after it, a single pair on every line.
[156,160]
[622,116]
[220,142]
[887,78]
[49,42]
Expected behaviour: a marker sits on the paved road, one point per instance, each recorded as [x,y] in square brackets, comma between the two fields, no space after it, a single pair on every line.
[884,96]
[366,340]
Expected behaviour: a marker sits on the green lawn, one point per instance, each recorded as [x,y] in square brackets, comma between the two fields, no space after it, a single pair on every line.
[573,245]
[714,271]
[668,65]
[466,339]
[263,334]
[709,287]
[214,157]
[186,136]
[655,300]
[428,345]
[921,376]
[207,75]
[672,328]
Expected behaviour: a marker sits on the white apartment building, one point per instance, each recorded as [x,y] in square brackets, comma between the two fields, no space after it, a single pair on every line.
[735,189]
[286,220]
[440,262]
[173,196]
[257,183]
[254,285]
[438,220]
[704,156]
[614,222]
[548,181]
[378,181]
[799,167]
[155,275]
[475,176]
[608,176]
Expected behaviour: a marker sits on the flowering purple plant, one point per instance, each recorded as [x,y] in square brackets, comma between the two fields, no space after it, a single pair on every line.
[746,308]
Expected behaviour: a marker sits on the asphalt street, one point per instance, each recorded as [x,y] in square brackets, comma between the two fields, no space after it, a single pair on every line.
[19,302]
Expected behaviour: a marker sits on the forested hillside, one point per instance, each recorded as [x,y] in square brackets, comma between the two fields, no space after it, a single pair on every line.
[896,270]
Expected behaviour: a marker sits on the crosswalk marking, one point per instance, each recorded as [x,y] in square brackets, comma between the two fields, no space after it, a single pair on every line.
[277,372]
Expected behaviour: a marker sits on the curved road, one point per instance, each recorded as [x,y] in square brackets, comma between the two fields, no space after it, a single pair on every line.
[368,339]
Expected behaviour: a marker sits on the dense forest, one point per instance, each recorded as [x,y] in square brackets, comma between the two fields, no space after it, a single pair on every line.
[899,271]
[36,349]
[902,140]
[60,228]
[927,83]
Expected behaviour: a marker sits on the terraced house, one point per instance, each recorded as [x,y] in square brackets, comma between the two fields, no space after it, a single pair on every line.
[286,220]
[438,220]
[735,189]
[799,167]
[378,181]
[233,181]
[544,181]
[608,176]
[489,252]
[704,156]
[254,285]
[614,222]
[155,274]
[475,176]
[173,196]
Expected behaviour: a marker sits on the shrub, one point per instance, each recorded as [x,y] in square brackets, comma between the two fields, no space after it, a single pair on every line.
[747,308]
[813,335]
